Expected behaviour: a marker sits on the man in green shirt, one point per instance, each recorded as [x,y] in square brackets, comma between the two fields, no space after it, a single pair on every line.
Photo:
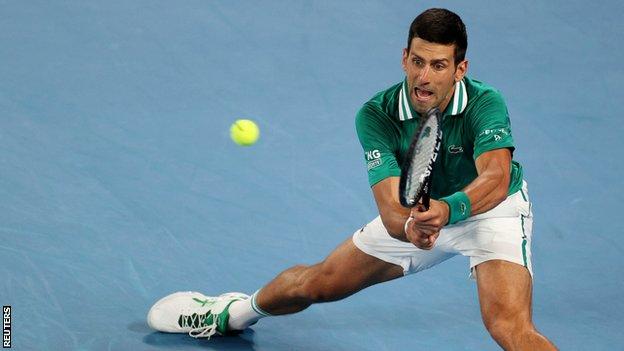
[479,208]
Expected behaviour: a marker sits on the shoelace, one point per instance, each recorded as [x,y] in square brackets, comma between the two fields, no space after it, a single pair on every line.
[201,328]
[197,322]
[205,330]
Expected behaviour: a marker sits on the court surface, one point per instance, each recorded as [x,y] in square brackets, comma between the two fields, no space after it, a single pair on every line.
[119,183]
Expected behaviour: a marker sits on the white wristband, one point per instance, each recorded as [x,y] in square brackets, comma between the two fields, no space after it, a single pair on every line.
[409,219]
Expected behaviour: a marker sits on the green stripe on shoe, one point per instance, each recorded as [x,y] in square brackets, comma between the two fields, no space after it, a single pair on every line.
[203,302]
[222,319]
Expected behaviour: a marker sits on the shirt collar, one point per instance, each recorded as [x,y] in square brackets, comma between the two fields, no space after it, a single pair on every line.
[456,106]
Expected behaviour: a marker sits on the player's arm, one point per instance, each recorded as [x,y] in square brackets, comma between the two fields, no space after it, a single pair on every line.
[379,143]
[492,183]
[493,145]
[394,216]
[485,192]
[392,213]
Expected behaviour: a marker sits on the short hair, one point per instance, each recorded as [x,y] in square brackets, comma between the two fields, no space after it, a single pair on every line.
[440,26]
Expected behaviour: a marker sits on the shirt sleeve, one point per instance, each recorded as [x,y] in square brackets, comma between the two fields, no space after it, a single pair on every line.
[378,144]
[491,125]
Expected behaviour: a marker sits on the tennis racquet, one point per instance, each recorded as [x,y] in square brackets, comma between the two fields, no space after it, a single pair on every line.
[415,182]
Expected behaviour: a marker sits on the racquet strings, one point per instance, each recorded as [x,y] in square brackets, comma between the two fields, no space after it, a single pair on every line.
[419,166]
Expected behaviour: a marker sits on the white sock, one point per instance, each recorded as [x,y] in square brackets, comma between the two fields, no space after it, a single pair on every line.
[244,313]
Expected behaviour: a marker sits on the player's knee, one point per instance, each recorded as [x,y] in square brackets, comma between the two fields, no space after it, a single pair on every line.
[321,286]
[499,330]
[508,330]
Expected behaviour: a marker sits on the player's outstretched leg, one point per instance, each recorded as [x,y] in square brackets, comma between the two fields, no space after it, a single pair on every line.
[345,271]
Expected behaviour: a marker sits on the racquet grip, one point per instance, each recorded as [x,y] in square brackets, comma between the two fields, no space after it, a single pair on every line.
[426,201]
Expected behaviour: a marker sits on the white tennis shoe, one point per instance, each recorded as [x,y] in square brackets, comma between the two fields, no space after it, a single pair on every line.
[191,312]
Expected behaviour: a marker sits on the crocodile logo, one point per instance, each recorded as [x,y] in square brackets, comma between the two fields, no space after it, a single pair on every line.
[455,149]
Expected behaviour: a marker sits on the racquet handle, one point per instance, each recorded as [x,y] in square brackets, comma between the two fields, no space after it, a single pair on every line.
[426,201]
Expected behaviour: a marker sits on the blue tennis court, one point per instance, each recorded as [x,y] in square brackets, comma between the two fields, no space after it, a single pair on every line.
[119,183]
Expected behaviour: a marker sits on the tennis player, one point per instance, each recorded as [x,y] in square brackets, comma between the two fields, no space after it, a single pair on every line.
[480,206]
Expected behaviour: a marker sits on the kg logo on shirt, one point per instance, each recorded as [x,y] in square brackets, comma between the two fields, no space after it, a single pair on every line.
[374,159]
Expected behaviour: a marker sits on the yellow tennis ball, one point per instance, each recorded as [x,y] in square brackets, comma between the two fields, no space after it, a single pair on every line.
[244,132]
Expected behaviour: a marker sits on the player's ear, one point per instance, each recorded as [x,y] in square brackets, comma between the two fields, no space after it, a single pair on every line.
[404,60]
[461,70]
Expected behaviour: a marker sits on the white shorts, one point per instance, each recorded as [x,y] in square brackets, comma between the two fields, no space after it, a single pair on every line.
[502,233]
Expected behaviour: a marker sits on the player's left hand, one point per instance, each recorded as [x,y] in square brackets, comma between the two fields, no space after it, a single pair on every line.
[431,221]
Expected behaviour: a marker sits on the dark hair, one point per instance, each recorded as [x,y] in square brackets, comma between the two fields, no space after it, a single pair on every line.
[440,26]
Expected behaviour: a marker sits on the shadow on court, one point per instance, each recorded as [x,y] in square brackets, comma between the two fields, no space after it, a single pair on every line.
[164,341]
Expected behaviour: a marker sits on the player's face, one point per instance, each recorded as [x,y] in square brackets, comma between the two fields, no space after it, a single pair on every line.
[431,74]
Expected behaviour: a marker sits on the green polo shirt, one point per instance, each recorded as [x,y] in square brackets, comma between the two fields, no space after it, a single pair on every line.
[475,121]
